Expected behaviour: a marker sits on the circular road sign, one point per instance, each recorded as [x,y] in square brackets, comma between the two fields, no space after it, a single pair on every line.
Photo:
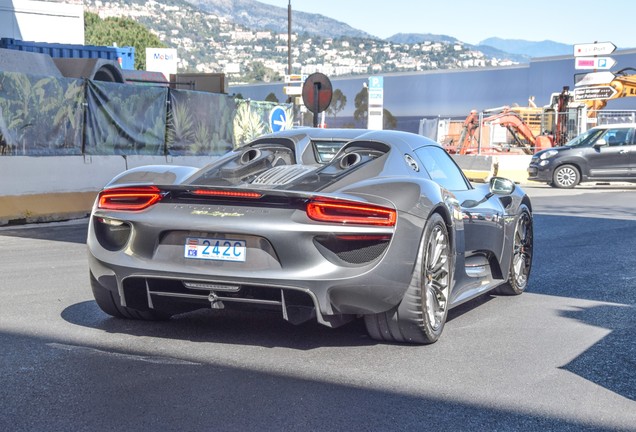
[317,92]
[278,119]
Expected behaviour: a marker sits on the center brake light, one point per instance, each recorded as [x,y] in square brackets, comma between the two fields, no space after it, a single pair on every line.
[227,193]
[129,198]
[347,212]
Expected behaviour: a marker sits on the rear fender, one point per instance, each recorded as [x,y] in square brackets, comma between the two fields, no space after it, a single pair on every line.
[153,175]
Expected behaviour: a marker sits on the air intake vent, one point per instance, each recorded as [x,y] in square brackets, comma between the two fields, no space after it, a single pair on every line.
[282,175]
[350,160]
[250,155]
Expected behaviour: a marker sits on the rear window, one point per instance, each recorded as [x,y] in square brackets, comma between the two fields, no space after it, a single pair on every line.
[326,150]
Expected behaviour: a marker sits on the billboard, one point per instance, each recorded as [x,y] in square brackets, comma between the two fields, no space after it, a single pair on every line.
[162,60]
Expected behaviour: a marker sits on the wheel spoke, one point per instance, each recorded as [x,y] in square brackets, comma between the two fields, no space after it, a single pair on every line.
[438,272]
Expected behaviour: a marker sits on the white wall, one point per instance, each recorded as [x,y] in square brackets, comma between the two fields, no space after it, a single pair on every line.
[41,21]
[27,175]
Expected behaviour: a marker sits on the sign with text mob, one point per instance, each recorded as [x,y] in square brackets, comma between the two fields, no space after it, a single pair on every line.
[592,49]
[594,93]
[162,60]
[603,63]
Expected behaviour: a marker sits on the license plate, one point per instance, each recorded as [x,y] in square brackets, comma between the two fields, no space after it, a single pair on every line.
[215,249]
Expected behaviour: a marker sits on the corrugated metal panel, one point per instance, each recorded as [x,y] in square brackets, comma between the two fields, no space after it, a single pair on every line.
[125,56]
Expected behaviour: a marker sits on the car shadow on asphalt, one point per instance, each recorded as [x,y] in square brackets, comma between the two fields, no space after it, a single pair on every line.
[74,231]
[228,326]
[615,372]
[255,328]
[50,385]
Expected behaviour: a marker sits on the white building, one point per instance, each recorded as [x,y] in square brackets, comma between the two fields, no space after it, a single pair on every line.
[42,21]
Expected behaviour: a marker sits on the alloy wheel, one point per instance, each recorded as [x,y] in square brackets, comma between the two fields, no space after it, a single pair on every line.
[522,253]
[436,277]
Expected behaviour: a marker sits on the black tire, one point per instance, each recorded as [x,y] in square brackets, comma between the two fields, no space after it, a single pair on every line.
[521,259]
[109,302]
[566,176]
[421,315]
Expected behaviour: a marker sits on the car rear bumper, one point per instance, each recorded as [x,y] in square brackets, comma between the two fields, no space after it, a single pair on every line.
[278,273]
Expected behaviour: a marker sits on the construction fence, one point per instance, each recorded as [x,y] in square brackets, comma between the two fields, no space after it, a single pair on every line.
[516,130]
[52,116]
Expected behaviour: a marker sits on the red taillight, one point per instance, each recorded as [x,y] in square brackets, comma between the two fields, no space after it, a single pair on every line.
[227,194]
[129,198]
[345,212]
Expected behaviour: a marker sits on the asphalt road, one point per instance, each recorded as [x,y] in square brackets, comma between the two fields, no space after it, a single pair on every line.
[560,357]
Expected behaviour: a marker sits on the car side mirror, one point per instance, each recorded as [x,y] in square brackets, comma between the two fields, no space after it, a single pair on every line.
[498,186]
[501,186]
[600,143]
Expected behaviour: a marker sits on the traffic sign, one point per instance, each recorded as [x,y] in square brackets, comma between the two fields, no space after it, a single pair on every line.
[593,78]
[375,117]
[278,119]
[293,90]
[592,49]
[376,90]
[295,78]
[602,63]
[594,93]
[317,92]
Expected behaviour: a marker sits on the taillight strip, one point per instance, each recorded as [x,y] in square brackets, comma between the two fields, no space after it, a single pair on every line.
[227,193]
[345,212]
[129,198]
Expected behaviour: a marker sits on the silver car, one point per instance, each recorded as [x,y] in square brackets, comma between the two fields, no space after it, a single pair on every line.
[319,224]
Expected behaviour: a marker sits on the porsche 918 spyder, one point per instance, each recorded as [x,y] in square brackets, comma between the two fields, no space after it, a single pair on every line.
[319,224]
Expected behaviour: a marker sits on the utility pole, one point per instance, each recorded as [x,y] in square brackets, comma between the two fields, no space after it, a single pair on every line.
[289,32]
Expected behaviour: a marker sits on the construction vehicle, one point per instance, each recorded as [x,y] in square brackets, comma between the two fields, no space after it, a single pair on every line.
[526,141]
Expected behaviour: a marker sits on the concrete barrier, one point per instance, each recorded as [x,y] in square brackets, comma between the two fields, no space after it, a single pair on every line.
[480,168]
[52,188]
[513,167]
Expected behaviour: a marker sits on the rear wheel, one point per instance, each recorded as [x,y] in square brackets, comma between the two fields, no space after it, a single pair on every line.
[566,177]
[110,303]
[421,315]
[521,256]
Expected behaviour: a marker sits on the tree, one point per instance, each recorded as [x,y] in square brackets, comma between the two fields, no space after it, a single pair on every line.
[388,120]
[257,71]
[120,31]
[338,102]
[362,111]
[361,104]
[271,98]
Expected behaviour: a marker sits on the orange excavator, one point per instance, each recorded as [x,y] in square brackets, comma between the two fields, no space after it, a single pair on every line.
[525,139]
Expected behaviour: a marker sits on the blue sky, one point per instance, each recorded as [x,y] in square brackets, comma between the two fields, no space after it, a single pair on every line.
[565,21]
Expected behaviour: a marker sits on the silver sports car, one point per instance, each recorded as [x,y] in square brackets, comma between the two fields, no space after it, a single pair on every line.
[322,224]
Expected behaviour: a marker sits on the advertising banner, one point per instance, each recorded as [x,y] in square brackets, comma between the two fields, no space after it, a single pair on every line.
[40,115]
[125,119]
[199,123]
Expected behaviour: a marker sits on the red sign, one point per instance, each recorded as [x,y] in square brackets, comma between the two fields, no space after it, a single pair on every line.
[317,92]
